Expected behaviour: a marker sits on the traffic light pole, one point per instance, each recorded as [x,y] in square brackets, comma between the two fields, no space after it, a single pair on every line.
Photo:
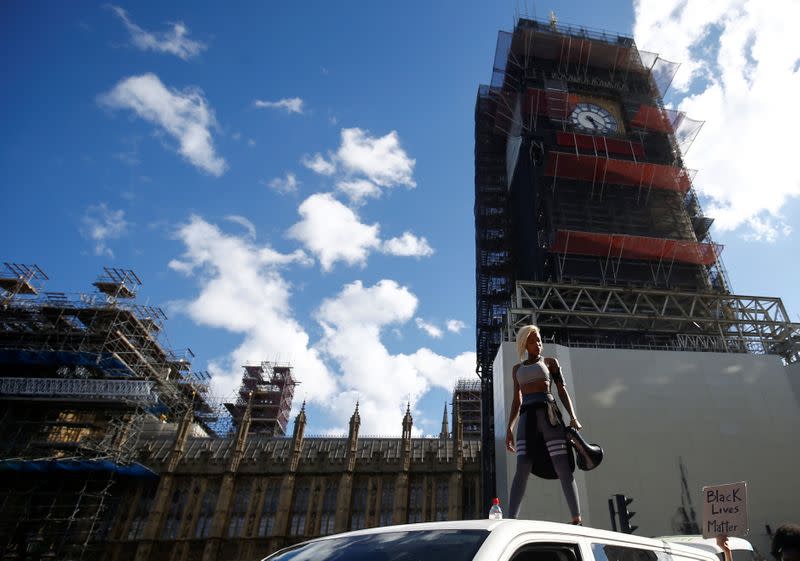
[612,514]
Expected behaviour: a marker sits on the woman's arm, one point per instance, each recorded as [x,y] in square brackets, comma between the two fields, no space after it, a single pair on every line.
[514,413]
[563,394]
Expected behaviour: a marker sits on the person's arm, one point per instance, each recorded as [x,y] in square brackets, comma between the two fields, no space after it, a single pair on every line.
[514,413]
[563,394]
[722,543]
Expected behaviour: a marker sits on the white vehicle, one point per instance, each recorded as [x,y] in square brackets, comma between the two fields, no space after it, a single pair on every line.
[741,549]
[488,540]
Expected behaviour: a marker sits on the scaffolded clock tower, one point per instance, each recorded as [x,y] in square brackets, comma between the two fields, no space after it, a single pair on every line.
[586,220]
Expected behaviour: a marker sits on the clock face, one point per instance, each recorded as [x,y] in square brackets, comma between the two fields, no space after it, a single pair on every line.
[592,118]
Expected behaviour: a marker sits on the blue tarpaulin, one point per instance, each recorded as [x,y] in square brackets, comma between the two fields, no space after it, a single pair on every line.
[75,466]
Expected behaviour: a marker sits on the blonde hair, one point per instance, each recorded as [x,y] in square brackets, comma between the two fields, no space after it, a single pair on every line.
[522,339]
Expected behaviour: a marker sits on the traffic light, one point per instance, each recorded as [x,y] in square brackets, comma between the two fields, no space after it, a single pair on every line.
[625,515]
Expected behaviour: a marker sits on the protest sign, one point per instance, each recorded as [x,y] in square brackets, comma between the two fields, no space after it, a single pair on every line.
[725,510]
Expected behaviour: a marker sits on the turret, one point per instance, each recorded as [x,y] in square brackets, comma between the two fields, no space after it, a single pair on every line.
[445,432]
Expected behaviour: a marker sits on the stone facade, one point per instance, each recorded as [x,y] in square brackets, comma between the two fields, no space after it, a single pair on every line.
[246,496]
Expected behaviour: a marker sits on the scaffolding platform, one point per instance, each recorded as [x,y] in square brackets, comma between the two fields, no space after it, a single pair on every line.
[616,246]
[596,316]
[603,170]
[16,278]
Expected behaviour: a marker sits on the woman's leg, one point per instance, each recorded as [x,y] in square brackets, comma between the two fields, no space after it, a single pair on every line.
[520,481]
[518,485]
[558,449]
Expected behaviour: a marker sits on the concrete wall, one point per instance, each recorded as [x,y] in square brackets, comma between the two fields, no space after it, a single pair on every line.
[729,417]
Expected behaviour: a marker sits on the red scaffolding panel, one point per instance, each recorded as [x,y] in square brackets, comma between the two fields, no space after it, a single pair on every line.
[619,172]
[618,246]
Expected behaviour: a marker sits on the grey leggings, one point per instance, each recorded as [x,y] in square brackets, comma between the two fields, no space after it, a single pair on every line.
[557,447]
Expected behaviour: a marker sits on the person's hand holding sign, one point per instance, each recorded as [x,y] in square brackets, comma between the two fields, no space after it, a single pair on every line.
[722,542]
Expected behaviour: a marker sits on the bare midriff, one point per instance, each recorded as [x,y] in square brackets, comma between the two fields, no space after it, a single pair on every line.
[541,386]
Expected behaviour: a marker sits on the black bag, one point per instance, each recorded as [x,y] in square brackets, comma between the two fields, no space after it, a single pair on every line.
[588,455]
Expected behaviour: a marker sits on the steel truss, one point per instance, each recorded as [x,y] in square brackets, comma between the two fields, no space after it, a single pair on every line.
[704,321]
[139,391]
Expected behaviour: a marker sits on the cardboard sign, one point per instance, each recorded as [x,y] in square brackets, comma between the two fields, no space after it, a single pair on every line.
[725,510]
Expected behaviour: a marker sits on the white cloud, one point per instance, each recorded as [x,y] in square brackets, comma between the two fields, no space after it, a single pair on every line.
[766,229]
[455,325]
[358,190]
[244,223]
[101,224]
[353,322]
[333,232]
[429,328]
[318,164]
[408,245]
[380,159]
[185,115]
[739,71]
[174,41]
[242,291]
[287,184]
[289,104]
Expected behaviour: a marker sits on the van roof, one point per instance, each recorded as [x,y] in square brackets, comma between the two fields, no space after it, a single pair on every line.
[503,531]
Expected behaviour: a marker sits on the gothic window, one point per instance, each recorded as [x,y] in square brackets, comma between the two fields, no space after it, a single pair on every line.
[358,516]
[328,517]
[387,502]
[297,526]
[415,502]
[174,513]
[269,508]
[238,511]
[442,488]
[207,507]
[141,512]
[470,499]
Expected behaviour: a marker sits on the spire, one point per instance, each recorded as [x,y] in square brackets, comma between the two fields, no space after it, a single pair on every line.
[355,423]
[445,430]
[297,438]
[458,434]
[300,422]
[352,440]
[244,423]
[181,434]
[408,422]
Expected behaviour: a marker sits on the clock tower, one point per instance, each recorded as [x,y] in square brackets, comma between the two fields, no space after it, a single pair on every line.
[586,220]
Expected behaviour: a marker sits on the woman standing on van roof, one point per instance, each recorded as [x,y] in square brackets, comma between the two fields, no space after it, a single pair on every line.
[541,444]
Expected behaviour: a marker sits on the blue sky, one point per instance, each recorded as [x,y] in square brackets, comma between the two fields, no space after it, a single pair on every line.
[177,139]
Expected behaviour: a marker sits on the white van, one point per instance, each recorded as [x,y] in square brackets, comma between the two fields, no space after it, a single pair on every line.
[489,540]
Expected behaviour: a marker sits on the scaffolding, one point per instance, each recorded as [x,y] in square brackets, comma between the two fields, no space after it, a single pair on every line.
[80,375]
[467,396]
[268,388]
[615,317]
[541,72]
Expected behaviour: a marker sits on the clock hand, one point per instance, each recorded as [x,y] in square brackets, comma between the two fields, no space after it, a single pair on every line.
[594,121]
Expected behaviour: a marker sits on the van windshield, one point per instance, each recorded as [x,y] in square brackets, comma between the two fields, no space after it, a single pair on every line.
[420,545]
[739,555]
